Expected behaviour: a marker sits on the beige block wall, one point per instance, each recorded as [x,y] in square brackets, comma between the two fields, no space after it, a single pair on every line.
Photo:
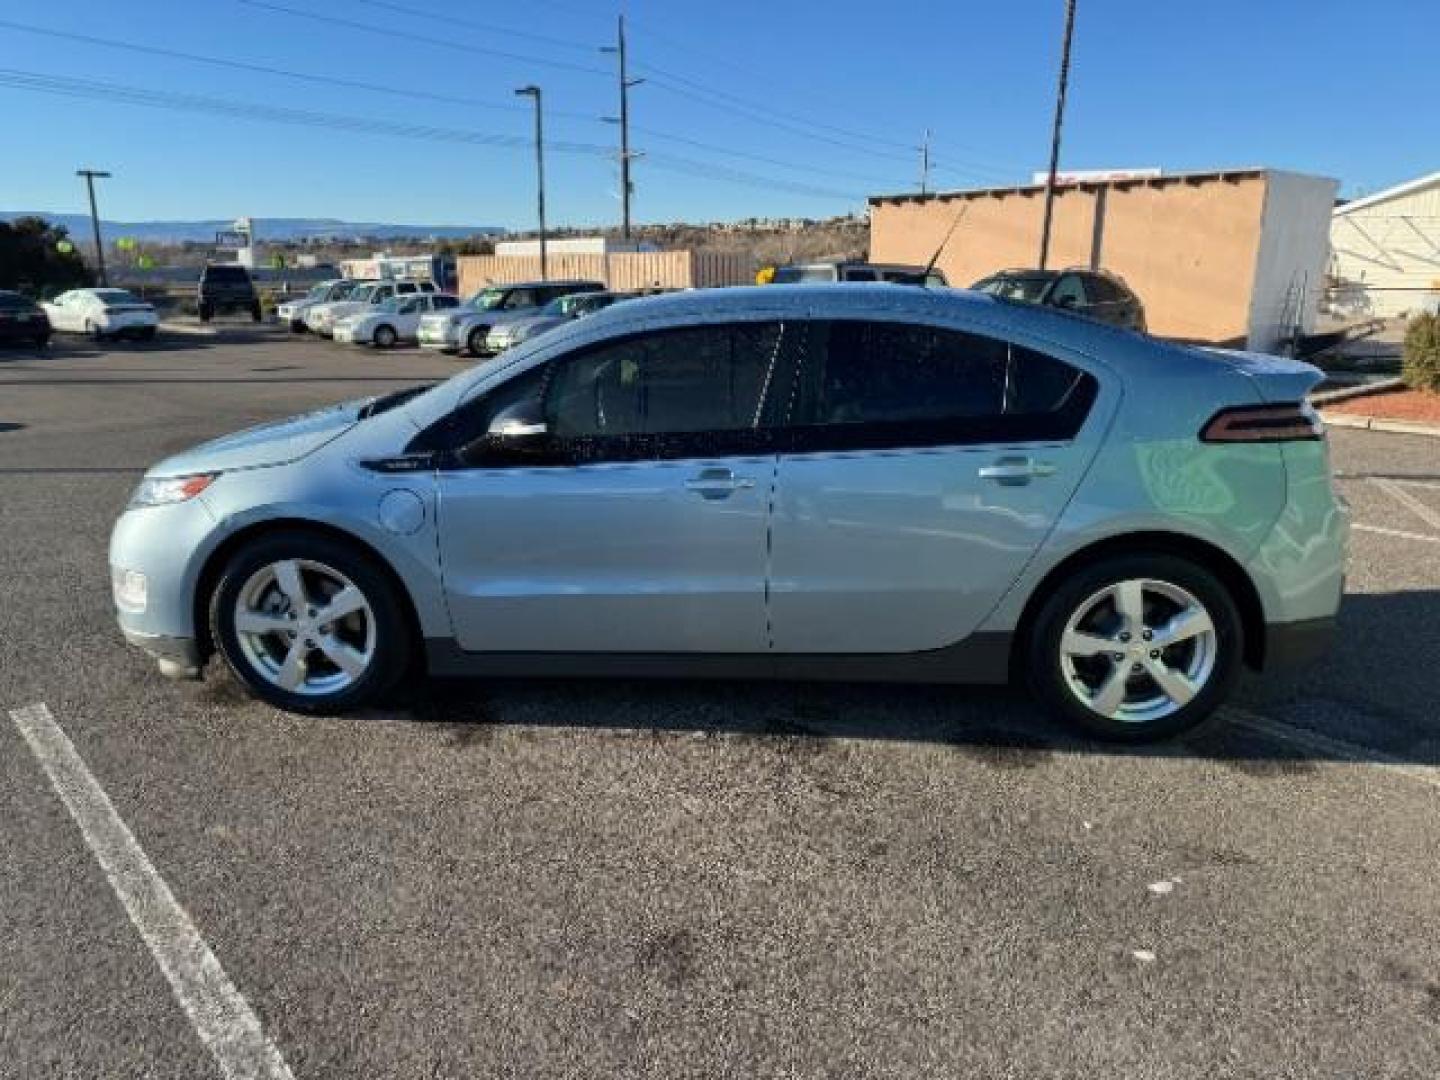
[1187,248]
[621,271]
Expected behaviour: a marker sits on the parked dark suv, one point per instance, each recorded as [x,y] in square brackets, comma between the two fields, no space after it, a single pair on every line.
[1096,294]
[227,287]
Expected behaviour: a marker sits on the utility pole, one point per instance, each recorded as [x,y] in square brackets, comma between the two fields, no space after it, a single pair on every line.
[925,164]
[91,175]
[626,187]
[533,91]
[1055,133]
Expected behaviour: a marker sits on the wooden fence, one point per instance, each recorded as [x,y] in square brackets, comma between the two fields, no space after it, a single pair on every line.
[619,271]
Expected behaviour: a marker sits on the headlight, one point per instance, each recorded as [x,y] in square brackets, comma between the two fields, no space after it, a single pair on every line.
[165,490]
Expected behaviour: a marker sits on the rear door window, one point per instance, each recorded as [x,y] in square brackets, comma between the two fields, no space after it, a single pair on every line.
[881,384]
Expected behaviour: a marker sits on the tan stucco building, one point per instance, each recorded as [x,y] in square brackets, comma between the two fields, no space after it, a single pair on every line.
[1235,256]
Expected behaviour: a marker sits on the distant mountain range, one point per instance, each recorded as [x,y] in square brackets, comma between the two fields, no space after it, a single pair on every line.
[175,232]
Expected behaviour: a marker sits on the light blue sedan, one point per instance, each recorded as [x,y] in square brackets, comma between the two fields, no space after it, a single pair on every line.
[855,482]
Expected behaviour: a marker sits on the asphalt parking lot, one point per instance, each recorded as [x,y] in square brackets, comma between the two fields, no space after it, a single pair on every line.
[588,879]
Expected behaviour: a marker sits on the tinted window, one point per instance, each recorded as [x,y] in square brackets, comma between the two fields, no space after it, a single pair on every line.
[521,298]
[227,273]
[895,384]
[697,379]
[442,301]
[1024,287]
[1104,291]
[10,301]
[1069,291]
[856,273]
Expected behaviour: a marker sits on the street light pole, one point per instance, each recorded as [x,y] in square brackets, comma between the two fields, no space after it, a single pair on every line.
[534,92]
[1055,132]
[91,175]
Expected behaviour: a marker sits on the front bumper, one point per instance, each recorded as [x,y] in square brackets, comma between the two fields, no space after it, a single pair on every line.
[446,339]
[178,658]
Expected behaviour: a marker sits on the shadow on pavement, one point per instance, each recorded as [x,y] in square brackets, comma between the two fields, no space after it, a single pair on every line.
[1356,696]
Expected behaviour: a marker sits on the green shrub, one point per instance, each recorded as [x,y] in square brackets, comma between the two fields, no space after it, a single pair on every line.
[1421,368]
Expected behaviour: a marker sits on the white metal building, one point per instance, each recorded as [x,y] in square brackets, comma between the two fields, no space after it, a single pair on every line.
[1385,249]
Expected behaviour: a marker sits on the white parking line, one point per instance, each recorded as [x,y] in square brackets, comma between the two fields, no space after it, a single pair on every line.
[1337,749]
[220,1015]
[1401,533]
[1410,502]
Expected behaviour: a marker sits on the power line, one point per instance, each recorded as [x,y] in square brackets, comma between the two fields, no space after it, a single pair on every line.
[254,68]
[286,73]
[406,35]
[114,93]
[489,28]
[132,95]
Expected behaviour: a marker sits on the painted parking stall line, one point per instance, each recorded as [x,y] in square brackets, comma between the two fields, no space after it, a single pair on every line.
[1410,502]
[219,1013]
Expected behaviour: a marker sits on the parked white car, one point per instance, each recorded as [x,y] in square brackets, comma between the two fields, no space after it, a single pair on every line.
[292,312]
[322,318]
[102,313]
[391,322]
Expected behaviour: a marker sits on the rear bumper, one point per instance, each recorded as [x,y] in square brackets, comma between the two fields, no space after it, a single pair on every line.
[1297,644]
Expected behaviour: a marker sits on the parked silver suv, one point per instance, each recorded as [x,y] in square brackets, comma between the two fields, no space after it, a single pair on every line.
[851,481]
[464,328]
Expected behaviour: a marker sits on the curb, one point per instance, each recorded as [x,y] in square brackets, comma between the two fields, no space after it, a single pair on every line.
[1346,393]
[1379,423]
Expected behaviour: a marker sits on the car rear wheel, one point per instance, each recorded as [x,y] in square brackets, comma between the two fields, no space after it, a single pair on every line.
[385,337]
[1135,648]
[309,625]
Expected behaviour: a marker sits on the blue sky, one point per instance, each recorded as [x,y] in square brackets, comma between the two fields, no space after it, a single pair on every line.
[827,97]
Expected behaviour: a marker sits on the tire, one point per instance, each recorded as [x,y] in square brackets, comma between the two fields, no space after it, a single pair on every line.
[384,337]
[475,342]
[297,326]
[1071,682]
[93,332]
[256,313]
[146,333]
[379,634]
[206,313]
[43,341]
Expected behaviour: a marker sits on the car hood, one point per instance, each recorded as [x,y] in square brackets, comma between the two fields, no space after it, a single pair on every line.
[277,443]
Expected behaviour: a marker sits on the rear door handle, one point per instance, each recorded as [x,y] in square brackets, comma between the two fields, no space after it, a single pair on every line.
[718,483]
[1016,470]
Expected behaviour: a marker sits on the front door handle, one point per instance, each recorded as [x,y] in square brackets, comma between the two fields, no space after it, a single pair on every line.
[1016,470]
[718,483]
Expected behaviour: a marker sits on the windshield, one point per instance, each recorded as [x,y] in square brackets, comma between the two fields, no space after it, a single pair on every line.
[115,296]
[1024,287]
[362,293]
[792,275]
[486,299]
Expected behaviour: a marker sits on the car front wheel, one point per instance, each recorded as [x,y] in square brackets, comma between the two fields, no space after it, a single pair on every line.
[309,625]
[475,343]
[384,337]
[1135,648]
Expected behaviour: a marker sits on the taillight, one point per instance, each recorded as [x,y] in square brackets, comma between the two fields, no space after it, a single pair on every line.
[1294,422]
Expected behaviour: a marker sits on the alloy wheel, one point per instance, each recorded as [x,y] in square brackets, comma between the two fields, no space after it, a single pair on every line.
[1138,650]
[304,627]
